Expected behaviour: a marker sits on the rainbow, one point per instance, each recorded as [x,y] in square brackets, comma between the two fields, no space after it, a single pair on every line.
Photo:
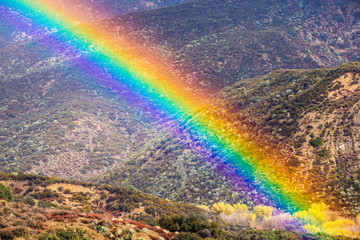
[148,74]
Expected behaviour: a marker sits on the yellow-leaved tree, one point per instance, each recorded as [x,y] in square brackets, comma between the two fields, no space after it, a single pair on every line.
[240,208]
[204,207]
[263,211]
[226,209]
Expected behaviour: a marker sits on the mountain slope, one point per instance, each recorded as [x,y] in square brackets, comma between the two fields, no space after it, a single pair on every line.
[169,166]
[312,115]
[57,121]
[219,42]
[11,30]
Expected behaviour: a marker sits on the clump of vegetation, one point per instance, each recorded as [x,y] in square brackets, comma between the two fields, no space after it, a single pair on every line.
[316,142]
[263,211]
[80,197]
[46,193]
[45,204]
[226,209]
[324,153]
[191,224]
[30,201]
[187,236]
[6,193]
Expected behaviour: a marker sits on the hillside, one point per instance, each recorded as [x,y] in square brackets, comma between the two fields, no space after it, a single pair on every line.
[36,207]
[220,42]
[56,121]
[90,11]
[169,166]
[309,115]
[44,207]
[312,116]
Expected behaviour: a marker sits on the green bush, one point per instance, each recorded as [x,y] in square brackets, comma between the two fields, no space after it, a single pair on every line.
[192,224]
[67,191]
[187,236]
[80,197]
[316,142]
[30,201]
[44,204]
[182,223]
[6,193]
[47,193]
[324,153]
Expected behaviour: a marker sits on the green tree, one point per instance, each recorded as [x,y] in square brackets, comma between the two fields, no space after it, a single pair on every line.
[6,193]
[187,236]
